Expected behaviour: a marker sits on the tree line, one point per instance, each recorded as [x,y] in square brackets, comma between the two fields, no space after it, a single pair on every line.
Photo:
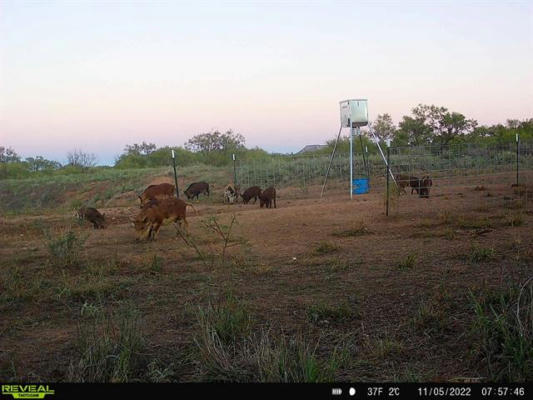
[426,125]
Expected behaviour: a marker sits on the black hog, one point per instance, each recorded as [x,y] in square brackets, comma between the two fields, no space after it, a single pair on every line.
[267,197]
[424,185]
[93,216]
[195,189]
[252,192]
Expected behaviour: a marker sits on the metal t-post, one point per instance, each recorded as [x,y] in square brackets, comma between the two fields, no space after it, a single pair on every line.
[517,155]
[234,171]
[388,174]
[351,162]
[175,174]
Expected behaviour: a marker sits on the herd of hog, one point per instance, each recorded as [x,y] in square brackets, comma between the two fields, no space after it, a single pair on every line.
[159,204]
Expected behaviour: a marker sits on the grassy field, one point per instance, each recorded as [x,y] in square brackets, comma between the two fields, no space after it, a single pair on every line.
[315,290]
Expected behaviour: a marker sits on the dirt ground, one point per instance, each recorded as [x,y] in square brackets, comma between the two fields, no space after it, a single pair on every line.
[306,252]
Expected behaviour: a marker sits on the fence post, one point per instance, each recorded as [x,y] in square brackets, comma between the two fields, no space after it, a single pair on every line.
[388,173]
[175,174]
[234,171]
[517,155]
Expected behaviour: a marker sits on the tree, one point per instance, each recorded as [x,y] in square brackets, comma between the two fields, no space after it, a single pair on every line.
[444,126]
[383,127]
[7,154]
[216,142]
[140,149]
[78,158]
[41,164]
[415,130]
[454,125]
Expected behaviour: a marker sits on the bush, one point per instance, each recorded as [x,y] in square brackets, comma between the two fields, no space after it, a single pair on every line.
[65,249]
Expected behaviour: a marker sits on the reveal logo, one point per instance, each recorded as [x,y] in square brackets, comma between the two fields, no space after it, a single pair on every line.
[27,391]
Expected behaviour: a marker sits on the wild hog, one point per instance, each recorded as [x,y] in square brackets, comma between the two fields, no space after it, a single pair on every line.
[155,212]
[405,180]
[231,193]
[252,192]
[161,191]
[425,185]
[267,197]
[195,189]
[93,216]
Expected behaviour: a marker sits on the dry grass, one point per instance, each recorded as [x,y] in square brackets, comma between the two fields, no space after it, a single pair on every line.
[292,290]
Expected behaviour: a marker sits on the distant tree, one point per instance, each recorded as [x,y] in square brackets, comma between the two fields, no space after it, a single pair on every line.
[444,126]
[140,149]
[78,158]
[41,164]
[383,127]
[454,125]
[215,142]
[414,130]
[7,154]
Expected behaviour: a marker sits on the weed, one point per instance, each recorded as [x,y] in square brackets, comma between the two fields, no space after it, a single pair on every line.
[408,262]
[388,347]
[326,248]
[159,374]
[109,348]
[65,249]
[230,320]
[359,230]
[322,313]
[503,332]
[515,219]
[156,264]
[432,314]
[481,254]
[450,234]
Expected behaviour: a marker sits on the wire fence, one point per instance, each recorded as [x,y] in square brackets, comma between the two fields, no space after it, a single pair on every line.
[447,165]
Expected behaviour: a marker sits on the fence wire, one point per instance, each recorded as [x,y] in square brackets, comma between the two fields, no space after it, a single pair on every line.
[446,165]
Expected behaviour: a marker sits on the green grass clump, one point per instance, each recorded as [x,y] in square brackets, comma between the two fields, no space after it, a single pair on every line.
[321,313]
[502,332]
[109,348]
[228,350]
[481,254]
[359,230]
[408,262]
[326,248]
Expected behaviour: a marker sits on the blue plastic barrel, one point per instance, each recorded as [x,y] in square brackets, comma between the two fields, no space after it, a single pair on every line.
[360,186]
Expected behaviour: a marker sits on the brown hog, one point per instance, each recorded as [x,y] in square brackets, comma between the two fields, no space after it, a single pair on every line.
[93,216]
[267,197]
[161,191]
[252,192]
[149,220]
[405,180]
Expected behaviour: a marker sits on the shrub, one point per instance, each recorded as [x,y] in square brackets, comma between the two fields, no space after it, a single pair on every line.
[65,249]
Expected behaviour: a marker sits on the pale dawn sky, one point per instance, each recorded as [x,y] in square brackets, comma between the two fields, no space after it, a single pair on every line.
[97,75]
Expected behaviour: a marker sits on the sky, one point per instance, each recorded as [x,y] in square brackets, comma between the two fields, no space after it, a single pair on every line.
[97,75]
